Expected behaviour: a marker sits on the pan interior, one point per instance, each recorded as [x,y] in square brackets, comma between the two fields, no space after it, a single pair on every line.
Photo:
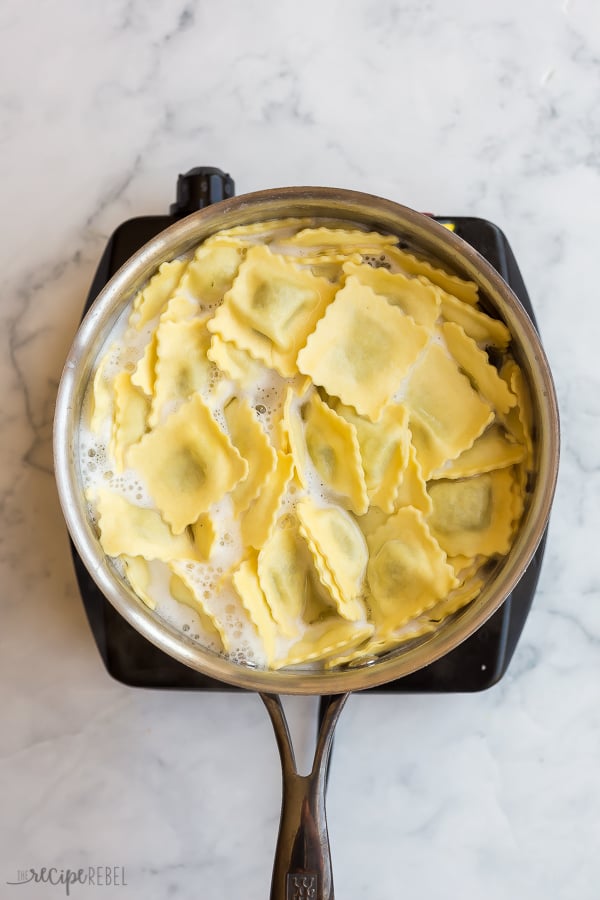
[427,239]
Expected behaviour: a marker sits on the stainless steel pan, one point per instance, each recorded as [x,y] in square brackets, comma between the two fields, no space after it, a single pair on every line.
[302,866]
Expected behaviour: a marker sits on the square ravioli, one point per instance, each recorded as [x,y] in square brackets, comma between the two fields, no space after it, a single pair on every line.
[130,530]
[272,307]
[441,397]
[188,463]
[418,300]
[211,272]
[473,516]
[407,572]
[361,349]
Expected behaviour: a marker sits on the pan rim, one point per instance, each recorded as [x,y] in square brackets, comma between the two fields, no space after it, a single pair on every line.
[183,234]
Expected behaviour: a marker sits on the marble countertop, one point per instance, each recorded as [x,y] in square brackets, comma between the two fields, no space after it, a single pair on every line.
[464,109]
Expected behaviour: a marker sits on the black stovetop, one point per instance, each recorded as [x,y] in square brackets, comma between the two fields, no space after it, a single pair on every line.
[475,665]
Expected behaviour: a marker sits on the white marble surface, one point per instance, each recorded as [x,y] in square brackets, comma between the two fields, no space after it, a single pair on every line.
[462,108]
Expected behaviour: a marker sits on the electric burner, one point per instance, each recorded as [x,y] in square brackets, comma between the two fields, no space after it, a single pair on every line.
[475,665]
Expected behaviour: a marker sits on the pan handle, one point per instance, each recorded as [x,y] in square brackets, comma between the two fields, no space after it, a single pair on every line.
[302,867]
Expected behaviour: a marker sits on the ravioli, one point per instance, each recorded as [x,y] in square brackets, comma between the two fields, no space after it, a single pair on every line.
[138,576]
[332,445]
[473,516]
[233,362]
[361,349]
[476,365]
[407,571]
[456,599]
[247,584]
[492,450]
[182,367]
[179,308]
[282,576]
[259,520]
[419,300]
[188,463]
[184,590]
[271,309]
[102,396]
[462,289]
[412,490]
[212,272]
[378,644]
[519,419]
[340,553]
[150,302]
[344,240]
[143,374]
[130,530]
[323,639]
[130,417]
[384,451]
[329,265]
[257,232]
[204,533]
[478,325]
[441,397]
[253,445]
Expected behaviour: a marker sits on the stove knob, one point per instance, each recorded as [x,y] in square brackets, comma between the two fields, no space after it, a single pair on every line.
[199,188]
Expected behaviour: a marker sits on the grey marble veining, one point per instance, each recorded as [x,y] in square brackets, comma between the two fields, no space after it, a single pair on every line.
[460,108]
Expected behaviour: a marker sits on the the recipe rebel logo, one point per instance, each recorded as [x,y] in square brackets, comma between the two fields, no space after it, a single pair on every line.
[91,876]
